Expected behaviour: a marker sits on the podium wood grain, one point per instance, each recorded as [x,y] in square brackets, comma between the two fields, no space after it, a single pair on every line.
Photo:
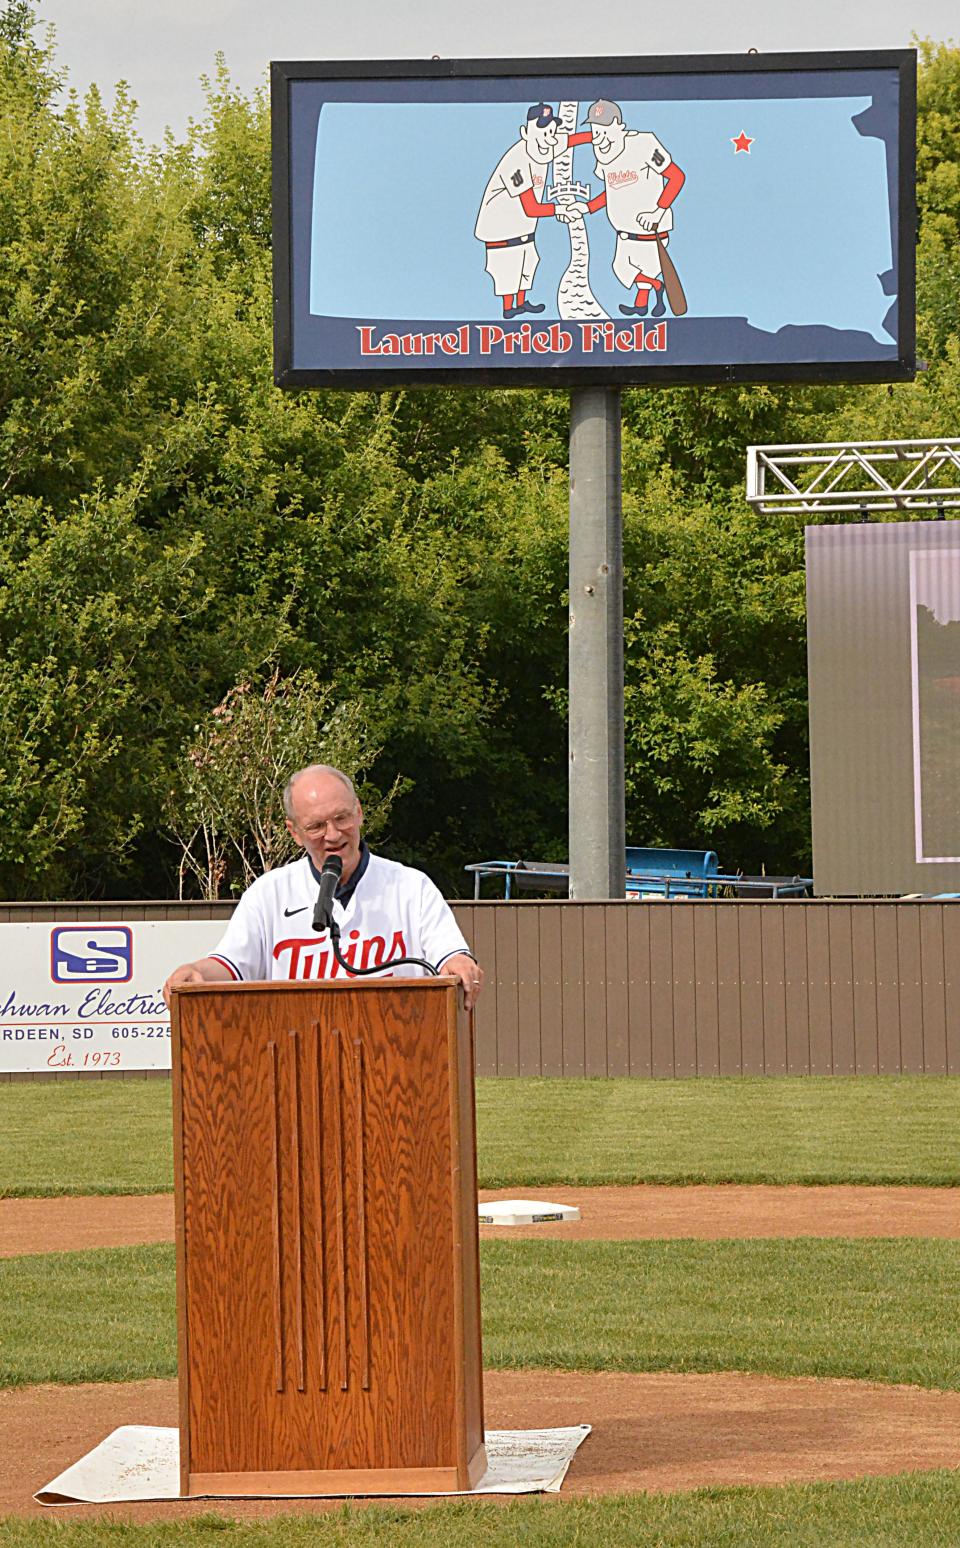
[327,1260]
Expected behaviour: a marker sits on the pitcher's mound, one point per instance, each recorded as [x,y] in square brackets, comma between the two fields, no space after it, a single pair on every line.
[658,1432]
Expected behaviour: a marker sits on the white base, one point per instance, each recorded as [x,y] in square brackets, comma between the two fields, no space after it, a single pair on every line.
[142,1462]
[503,1212]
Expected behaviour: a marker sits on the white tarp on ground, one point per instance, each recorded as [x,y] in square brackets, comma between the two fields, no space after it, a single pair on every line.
[142,1462]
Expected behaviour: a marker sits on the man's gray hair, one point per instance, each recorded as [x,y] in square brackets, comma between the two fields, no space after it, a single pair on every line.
[315,768]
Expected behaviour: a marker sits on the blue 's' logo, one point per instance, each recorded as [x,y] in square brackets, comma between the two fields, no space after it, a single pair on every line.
[91,954]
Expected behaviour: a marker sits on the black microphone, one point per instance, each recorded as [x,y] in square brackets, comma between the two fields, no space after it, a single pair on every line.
[330,873]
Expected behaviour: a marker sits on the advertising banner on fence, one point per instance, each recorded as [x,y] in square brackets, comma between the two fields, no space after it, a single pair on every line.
[568,221]
[87,996]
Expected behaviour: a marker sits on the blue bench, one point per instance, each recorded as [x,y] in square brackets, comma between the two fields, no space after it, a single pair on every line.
[665,873]
[671,873]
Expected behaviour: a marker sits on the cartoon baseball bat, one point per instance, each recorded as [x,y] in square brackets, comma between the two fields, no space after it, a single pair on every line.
[671,281]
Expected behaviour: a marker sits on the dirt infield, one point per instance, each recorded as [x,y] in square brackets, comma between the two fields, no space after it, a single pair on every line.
[608,1214]
[733,1210]
[72,1224]
[659,1433]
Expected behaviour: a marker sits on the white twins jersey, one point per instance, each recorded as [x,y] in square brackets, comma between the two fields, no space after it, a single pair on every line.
[394,911]
[502,216]
[634,182]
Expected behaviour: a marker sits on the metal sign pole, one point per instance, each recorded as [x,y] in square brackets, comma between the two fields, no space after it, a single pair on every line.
[597,821]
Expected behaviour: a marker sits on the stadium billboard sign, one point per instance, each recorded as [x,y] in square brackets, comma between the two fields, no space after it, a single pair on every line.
[578,222]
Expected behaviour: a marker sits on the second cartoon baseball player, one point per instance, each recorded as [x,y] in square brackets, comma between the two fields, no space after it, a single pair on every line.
[512,205]
[641,181]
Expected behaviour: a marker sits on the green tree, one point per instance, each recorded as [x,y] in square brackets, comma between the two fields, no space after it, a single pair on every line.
[172,525]
[227,808]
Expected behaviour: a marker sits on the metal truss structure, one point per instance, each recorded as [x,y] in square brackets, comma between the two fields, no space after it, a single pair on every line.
[855,476]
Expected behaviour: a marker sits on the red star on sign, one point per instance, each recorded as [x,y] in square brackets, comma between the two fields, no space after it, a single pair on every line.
[742,142]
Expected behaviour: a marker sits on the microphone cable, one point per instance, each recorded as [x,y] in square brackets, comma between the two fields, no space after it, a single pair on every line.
[356,972]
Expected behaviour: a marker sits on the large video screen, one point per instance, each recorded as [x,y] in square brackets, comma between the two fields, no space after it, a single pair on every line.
[935,692]
[883,633]
[715,219]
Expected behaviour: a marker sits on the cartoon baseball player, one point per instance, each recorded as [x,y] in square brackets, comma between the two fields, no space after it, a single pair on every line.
[511,206]
[641,181]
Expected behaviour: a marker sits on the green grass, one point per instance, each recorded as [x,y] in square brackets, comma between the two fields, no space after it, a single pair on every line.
[88,1316]
[906,1511]
[875,1309]
[871,1309]
[85,1137]
[114,1137]
[866,1129]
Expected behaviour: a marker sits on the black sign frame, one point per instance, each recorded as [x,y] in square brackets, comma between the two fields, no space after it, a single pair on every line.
[901,368]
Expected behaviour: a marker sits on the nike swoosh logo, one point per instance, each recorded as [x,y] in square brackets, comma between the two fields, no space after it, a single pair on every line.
[289,912]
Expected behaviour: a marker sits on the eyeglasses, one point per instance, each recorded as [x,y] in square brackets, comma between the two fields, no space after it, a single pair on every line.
[340,821]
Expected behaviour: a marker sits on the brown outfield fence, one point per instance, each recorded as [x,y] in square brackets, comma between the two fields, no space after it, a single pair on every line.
[689,988]
[717,988]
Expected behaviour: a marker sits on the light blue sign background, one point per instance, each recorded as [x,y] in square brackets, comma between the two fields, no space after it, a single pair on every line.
[795,231]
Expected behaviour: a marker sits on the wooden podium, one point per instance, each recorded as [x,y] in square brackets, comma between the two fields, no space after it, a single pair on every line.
[327,1261]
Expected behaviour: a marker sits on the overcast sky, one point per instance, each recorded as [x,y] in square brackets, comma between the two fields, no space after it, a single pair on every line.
[162,47]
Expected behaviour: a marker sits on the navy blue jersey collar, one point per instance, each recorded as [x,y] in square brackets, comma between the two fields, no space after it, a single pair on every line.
[345,893]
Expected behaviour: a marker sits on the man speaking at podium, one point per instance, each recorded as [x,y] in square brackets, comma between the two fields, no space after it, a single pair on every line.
[384,910]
